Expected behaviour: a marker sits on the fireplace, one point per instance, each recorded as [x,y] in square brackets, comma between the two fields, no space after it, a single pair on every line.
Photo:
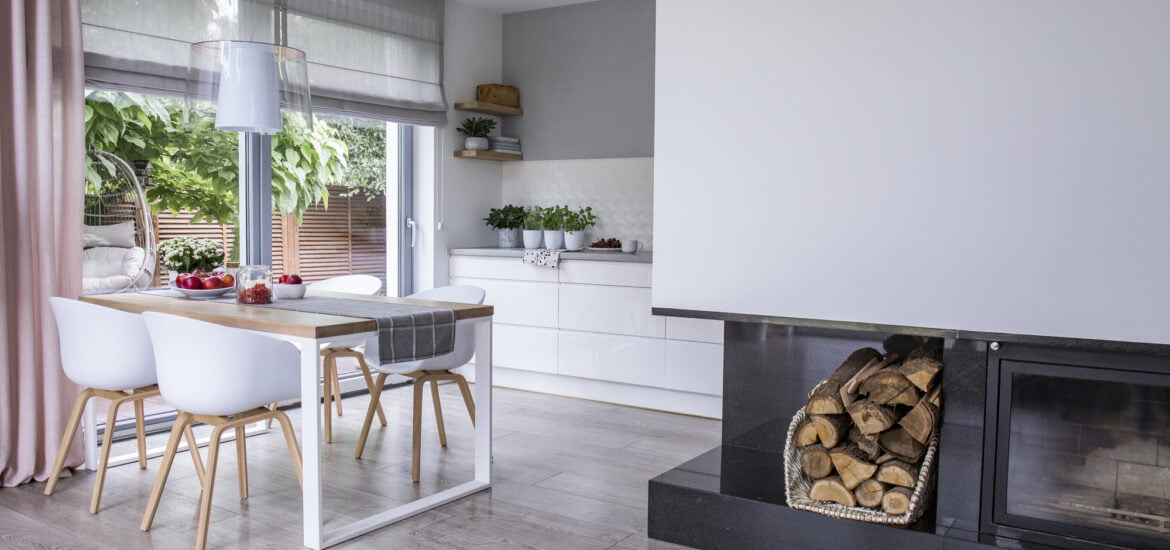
[1078,447]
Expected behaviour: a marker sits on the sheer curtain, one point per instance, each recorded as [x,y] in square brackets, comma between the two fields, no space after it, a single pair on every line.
[41,171]
[379,59]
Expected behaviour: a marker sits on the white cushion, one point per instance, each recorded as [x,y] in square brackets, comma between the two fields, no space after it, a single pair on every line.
[119,234]
[113,268]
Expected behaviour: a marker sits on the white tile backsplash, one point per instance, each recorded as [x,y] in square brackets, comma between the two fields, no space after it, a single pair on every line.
[620,190]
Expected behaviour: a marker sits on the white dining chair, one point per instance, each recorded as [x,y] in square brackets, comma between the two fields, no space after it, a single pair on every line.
[433,370]
[226,388]
[335,349]
[108,353]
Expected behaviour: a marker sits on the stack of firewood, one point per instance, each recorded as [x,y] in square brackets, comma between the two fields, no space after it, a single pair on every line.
[868,426]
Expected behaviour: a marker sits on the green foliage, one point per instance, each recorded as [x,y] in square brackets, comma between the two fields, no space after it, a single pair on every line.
[508,217]
[476,127]
[533,218]
[186,254]
[552,218]
[580,220]
[365,175]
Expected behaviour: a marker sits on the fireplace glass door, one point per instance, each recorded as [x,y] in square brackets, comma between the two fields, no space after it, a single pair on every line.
[1084,452]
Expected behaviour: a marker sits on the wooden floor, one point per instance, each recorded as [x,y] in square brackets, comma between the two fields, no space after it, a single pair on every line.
[569,474]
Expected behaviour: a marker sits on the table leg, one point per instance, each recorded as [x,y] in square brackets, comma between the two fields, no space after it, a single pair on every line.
[311,440]
[483,401]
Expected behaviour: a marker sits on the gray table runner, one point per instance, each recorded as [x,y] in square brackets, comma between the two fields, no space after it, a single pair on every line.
[406,332]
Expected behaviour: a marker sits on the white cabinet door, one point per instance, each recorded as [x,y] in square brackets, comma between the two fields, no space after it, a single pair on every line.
[611,309]
[694,367]
[481,267]
[524,348]
[605,273]
[518,302]
[694,330]
[627,359]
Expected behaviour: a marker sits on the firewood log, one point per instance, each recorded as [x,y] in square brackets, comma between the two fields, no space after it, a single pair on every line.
[922,366]
[850,391]
[888,387]
[851,465]
[896,501]
[830,489]
[897,472]
[872,418]
[831,430]
[815,462]
[885,458]
[934,396]
[920,421]
[806,434]
[899,443]
[870,493]
[825,399]
[854,363]
[866,442]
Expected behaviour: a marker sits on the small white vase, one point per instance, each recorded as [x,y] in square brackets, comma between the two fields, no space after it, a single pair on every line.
[476,144]
[532,238]
[574,240]
[509,238]
[554,239]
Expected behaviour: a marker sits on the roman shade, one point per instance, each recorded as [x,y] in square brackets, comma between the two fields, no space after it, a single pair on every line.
[379,59]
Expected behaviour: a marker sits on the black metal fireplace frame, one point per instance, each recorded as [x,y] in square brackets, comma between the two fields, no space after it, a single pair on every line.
[1011,359]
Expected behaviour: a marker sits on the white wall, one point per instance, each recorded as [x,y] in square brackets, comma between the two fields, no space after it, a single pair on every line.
[464,189]
[991,166]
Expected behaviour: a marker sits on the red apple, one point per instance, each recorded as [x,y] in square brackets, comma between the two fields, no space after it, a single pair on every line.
[179,279]
[212,283]
[192,283]
[294,280]
[227,280]
[199,273]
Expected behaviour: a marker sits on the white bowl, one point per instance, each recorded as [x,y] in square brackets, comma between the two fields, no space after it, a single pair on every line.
[203,293]
[289,292]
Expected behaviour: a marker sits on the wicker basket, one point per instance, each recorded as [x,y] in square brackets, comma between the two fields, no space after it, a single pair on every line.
[797,486]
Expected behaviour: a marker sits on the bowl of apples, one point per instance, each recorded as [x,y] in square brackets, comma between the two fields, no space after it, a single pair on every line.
[290,287]
[200,284]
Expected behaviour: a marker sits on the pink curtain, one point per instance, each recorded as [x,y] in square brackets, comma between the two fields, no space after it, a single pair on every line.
[41,173]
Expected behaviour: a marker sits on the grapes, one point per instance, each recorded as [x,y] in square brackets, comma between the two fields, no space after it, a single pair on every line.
[606,243]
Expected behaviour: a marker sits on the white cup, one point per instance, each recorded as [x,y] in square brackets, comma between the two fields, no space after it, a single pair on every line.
[631,246]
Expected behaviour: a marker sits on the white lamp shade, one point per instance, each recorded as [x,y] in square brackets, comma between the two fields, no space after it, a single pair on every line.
[250,84]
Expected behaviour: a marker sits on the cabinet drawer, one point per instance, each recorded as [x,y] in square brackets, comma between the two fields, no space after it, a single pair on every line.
[605,273]
[524,348]
[482,267]
[694,330]
[627,359]
[518,302]
[694,366]
[611,309]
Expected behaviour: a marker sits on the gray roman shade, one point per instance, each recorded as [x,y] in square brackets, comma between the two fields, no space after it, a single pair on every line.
[380,59]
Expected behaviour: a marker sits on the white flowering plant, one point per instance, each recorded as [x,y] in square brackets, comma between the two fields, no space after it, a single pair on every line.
[186,254]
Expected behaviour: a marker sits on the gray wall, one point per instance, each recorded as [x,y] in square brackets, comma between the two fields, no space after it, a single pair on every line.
[586,79]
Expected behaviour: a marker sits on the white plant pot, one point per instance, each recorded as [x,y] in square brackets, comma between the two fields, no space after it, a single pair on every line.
[575,240]
[476,144]
[509,238]
[554,239]
[532,238]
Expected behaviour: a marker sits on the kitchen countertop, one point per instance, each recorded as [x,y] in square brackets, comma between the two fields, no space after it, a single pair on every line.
[643,257]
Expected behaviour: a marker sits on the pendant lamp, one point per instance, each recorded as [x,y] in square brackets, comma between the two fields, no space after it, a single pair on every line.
[250,84]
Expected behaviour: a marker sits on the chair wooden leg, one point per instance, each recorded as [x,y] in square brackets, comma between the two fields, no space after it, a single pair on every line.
[208,488]
[416,436]
[140,430]
[67,438]
[375,397]
[438,412]
[242,460]
[330,366]
[336,378]
[182,423]
[370,385]
[467,400]
[107,443]
[193,448]
[290,437]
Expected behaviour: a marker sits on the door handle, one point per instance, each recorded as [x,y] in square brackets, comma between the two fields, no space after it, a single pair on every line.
[413,227]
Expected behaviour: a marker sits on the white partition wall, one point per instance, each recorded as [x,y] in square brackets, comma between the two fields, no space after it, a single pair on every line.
[980,165]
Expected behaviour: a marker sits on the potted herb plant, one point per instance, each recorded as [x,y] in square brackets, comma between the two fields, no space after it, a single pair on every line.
[476,130]
[552,221]
[507,222]
[533,217]
[575,224]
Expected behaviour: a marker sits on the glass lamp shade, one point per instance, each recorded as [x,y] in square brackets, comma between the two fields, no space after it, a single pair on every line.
[250,83]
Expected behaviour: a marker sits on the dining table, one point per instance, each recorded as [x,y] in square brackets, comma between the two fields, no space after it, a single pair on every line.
[309,331]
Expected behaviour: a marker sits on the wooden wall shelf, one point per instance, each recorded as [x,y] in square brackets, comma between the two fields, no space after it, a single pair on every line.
[488,108]
[487,155]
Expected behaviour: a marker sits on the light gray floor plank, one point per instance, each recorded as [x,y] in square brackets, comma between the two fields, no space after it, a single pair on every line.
[569,474]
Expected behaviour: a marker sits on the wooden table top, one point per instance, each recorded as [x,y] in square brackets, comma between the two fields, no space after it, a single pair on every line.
[278,321]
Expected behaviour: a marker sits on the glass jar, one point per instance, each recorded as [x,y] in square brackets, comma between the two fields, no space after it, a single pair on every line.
[254,284]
